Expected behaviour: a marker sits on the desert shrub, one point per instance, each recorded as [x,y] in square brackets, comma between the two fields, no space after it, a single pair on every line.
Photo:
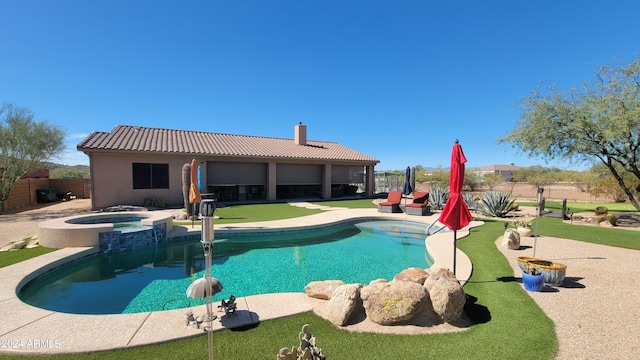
[496,204]
[601,210]
[438,197]
[612,219]
[153,203]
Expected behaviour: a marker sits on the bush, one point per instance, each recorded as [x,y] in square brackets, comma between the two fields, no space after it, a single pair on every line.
[601,210]
[153,203]
[612,219]
[496,204]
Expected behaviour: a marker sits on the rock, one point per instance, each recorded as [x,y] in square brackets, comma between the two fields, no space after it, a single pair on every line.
[413,274]
[322,289]
[605,223]
[511,239]
[393,302]
[377,281]
[344,301]
[447,296]
[16,245]
[33,242]
[181,215]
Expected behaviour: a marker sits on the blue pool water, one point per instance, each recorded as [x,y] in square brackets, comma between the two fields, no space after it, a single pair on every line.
[156,278]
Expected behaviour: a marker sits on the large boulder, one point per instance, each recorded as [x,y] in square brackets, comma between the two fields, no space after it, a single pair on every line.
[322,289]
[344,301]
[388,303]
[447,296]
[413,274]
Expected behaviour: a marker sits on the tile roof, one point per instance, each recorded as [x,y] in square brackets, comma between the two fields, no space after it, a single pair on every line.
[168,141]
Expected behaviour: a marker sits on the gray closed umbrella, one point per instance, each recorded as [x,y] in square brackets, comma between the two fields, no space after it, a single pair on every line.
[198,288]
[407,185]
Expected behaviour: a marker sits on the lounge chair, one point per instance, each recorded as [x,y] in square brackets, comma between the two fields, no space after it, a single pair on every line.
[420,205]
[392,204]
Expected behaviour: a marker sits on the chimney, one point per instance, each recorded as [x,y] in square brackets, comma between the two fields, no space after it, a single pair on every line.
[300,134]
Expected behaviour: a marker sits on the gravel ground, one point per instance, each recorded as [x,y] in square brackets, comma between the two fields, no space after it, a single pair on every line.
[596,310]
[24,223]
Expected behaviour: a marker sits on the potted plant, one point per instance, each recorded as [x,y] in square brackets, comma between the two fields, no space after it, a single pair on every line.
[523,227]
[532,277]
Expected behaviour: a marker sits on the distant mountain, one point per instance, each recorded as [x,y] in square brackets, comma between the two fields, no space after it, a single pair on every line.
[84,169]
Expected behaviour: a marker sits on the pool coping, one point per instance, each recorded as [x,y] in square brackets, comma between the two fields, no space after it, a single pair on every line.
[26,329]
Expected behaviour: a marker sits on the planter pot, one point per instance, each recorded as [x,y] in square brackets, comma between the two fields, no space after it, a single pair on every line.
[522,261]
[525,232]
[533,282]
[553,272]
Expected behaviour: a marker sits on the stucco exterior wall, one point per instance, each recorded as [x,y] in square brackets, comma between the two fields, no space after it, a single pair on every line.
[112,174]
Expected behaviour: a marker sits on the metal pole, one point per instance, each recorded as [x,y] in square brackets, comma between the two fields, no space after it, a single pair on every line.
[454,251]
[207,208]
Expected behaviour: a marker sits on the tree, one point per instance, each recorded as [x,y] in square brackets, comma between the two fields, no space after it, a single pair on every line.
[605,184]
[537,175]
[492,179]
[600,122]
[25,145]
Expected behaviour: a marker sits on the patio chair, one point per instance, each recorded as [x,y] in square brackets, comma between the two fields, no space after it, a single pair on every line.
[392,204]
[420,205]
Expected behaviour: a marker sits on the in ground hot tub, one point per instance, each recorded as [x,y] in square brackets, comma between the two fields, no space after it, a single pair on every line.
[111,232]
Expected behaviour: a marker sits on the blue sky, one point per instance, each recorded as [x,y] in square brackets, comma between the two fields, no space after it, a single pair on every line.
[396,80]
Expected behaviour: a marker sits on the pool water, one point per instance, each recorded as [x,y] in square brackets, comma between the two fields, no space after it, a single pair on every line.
[156,278]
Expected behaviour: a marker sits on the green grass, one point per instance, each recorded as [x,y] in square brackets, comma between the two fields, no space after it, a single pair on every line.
[576,207]
[267,212]
[351,204]
[629,239]
[508,325]
[256,212]
[11,257]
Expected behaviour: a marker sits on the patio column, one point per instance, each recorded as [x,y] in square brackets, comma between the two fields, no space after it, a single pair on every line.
[271,181]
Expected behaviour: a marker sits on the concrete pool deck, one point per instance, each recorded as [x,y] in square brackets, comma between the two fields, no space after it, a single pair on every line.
[26,329]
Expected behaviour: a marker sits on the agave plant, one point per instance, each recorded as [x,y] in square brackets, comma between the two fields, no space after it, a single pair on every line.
[496,204]
[438,197]
[470,199]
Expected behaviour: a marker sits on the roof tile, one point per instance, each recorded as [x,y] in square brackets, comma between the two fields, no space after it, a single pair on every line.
[144,139]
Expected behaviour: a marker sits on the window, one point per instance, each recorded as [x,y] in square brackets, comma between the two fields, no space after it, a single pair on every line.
[150,176]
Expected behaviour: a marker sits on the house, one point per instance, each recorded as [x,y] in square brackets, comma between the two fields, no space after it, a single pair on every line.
[504,170]
[132,163]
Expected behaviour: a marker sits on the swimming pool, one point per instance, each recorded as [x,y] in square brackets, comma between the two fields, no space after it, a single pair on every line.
[156,278]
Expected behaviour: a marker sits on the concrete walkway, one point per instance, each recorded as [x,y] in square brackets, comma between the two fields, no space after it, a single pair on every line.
[27,329]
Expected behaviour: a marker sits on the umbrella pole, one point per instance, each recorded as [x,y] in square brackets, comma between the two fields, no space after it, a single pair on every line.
[207,245]
[454,251]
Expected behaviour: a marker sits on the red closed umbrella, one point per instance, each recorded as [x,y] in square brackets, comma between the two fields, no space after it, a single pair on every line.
[455,214]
